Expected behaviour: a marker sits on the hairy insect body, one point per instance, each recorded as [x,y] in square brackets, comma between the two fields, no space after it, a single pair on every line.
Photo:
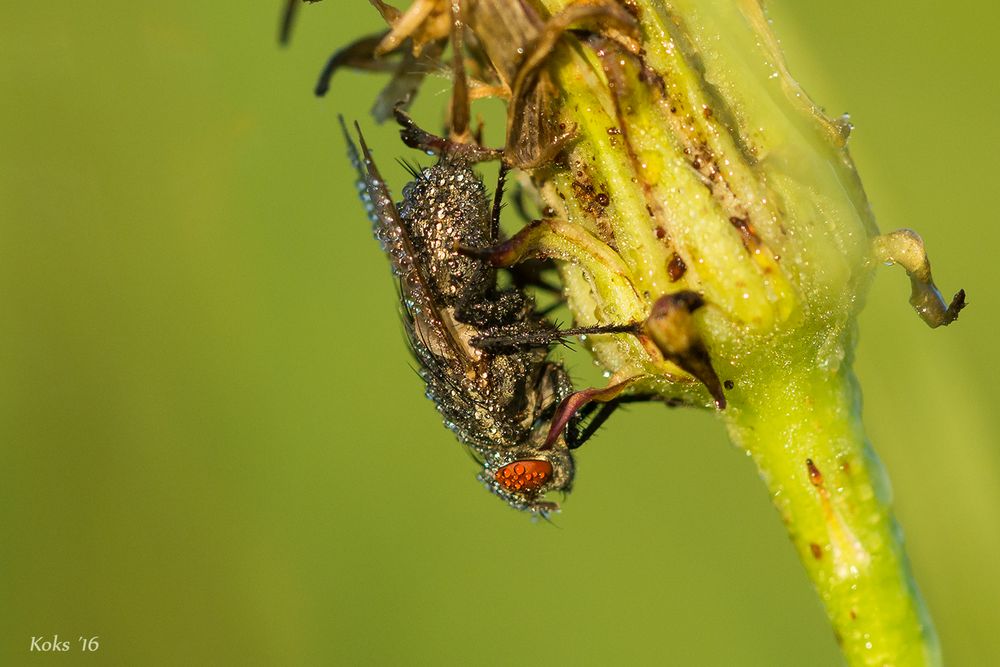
[445,207]
[500,403]
[487,399]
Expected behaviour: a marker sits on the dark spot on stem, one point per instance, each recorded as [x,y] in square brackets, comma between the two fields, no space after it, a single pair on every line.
[603,199]
[676,268]
[854,615]
[817,550]
[814,474]
[588,197]
[741,224]
[747,232]
[728,384]
[652,79]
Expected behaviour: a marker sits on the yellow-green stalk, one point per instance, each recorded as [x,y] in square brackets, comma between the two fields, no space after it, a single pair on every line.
[699,164]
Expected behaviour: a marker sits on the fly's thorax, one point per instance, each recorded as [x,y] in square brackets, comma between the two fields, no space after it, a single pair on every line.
[490,405]
[445,207]
[492,402]
[513,382]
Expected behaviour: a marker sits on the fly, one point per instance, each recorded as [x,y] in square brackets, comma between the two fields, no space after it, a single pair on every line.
[499,403]
[481,350]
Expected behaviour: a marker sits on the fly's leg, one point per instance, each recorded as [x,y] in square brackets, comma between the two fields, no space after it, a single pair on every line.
[568,411]
[669,327]
[531,273]
[601,413]
[906,248]
[416,137]
[559,240]
[501,343]
[667,331]
[497,204]
[459,144]
[592,407]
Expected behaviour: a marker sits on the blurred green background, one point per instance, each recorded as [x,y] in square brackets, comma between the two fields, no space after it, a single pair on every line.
[214,450]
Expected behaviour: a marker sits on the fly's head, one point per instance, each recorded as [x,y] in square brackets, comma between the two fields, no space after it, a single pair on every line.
[540,464]
[524,477]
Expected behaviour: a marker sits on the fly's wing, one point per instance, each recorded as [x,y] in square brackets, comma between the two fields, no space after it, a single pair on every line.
[434,336]
[389,228]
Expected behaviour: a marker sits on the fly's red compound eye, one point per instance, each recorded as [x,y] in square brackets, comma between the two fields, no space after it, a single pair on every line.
[524,476]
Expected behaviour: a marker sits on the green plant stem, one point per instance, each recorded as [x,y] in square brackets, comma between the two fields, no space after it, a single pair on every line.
[803,430]
[719,159]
